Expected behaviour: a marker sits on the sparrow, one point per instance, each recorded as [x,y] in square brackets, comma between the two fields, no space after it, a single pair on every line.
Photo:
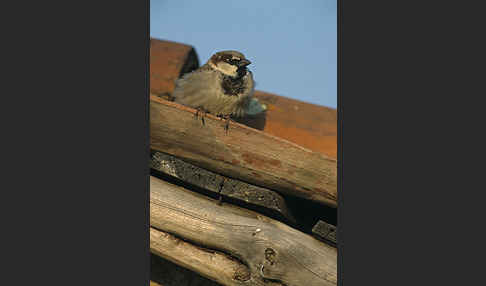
[223,86]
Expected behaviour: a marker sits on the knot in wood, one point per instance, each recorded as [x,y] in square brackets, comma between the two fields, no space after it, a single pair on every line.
[270,255]
[242,273]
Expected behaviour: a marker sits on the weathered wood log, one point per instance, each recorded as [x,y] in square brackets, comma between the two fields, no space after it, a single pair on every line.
[243,153]
[250,195]
[272,251]
[210,264]
[308,125]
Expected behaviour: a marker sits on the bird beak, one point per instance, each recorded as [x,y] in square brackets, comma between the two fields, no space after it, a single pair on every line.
[244,63]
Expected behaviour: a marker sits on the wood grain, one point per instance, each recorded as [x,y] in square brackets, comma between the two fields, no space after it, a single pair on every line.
[243,153]
[244,193]
[210,264]
[326,232]
[272,251]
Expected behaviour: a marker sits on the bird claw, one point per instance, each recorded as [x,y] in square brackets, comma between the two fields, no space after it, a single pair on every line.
[226,126]
[228,119]
[203,114]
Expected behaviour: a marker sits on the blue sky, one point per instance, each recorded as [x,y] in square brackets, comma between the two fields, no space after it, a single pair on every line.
[292,44]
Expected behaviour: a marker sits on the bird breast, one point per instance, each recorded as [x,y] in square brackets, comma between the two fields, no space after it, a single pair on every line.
[209,90]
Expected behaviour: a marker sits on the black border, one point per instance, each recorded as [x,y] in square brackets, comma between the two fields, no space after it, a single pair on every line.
[75,144]
[405,74]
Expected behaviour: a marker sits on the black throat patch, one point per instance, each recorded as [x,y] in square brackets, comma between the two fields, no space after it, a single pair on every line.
[233,85]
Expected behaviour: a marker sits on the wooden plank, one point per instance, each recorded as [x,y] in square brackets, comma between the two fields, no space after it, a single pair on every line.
[243,153]
[264,199]
[308,125]
[271,250]
[326,232]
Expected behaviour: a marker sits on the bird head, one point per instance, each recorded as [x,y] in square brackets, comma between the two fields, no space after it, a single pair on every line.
[231,63]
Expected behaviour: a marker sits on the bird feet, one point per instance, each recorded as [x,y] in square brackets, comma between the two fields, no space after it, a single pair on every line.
[228,119]
[201,111]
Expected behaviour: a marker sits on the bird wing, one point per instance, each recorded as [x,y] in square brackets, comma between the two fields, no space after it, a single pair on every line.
[195,88]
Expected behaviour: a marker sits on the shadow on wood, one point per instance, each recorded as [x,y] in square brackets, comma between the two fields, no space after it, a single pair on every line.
[166,273]
[255,121]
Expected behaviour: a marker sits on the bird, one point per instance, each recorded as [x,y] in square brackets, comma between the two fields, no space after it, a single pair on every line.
[223,86]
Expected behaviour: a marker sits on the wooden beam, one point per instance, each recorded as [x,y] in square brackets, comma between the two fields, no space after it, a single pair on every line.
[308,125]
[272,251]
[249,195]
[243,153]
